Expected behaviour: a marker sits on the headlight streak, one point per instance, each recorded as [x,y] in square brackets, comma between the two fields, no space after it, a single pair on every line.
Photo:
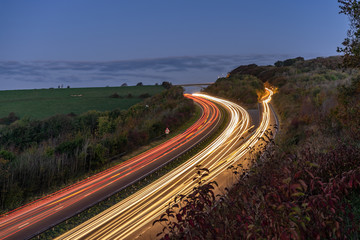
[133,213]
[23,219]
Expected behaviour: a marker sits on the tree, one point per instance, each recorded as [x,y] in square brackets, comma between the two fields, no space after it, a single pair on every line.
[289,62]
[166,85]
[351,44]
[139,84]
[9,119]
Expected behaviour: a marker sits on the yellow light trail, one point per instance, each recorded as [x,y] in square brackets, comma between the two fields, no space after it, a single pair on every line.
[129,216]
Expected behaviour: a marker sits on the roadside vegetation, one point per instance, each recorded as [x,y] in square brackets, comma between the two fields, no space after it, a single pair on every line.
[241,88]
[306,183]
[40,156]
[121,195]
[42,103]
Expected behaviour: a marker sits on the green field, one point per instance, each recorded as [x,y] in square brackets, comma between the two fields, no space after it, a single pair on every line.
[42,103]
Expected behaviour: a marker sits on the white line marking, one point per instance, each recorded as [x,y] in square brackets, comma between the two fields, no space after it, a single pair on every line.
[23,225]
[59,208]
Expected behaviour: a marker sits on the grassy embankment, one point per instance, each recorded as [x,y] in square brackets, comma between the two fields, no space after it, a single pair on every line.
[102,206]
[38,157]
[42,103]
[306,185]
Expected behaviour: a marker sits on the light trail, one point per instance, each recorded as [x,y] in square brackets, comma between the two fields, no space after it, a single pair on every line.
[131,215]
[36,217]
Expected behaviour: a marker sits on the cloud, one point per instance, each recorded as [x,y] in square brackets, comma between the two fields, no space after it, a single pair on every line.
[175,69]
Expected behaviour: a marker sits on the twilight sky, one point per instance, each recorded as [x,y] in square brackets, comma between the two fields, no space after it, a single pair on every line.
[107,30]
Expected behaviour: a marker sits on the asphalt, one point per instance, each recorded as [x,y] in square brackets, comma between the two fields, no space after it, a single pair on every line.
[227,178]
[40,216]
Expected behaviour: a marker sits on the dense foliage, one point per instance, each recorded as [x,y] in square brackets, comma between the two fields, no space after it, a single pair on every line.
[351,44]
[282,197]
[288,62]
[244,89]
[308,96]
[37,156]
[305,185]
[347,112]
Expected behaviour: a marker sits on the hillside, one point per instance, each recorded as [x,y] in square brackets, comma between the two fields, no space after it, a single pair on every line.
[306,183]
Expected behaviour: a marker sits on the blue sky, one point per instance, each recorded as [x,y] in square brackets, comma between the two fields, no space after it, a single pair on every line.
[107,30]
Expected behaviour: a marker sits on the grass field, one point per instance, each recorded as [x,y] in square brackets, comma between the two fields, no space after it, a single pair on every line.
[42,103]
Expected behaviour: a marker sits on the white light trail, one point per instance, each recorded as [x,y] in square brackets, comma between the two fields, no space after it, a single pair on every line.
[133,213]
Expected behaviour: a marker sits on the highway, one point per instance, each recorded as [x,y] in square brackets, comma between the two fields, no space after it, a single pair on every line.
[131,217]
[38,216]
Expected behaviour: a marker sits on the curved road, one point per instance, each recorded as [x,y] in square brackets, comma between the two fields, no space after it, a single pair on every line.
[131,217]
[44,213]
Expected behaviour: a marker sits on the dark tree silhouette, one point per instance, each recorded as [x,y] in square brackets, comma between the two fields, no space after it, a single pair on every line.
[351,44]
[166,85]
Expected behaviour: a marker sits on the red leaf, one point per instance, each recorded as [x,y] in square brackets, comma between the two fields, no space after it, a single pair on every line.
[351,183]
[179,217]
[303,184]
[191,222]
[311,175]
[297,174]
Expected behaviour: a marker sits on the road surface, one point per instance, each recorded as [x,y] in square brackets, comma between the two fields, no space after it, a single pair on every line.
[131,217]
[44,213]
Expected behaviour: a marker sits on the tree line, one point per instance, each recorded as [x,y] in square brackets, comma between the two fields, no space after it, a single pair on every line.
[38,156]
[242,88]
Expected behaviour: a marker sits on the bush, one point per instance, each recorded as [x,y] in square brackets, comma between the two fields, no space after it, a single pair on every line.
[280,198]
[115,95]
[166,85]
[9,119]
[144,95]
[244,89]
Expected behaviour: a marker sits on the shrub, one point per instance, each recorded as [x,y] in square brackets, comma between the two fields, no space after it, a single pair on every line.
[115,95]
[281,197]
[9,119]
[144,95]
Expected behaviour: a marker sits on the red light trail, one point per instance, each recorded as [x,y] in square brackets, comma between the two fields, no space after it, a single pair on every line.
[33,218]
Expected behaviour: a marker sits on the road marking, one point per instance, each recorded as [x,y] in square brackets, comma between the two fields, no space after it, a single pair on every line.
[59,208]
[64,198]
[24,225]
[116,175]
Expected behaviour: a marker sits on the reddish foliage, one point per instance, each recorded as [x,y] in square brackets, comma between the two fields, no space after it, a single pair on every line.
[282,198]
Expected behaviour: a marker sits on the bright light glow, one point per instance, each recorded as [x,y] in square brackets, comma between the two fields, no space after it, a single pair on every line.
[37,213]
[132,214]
